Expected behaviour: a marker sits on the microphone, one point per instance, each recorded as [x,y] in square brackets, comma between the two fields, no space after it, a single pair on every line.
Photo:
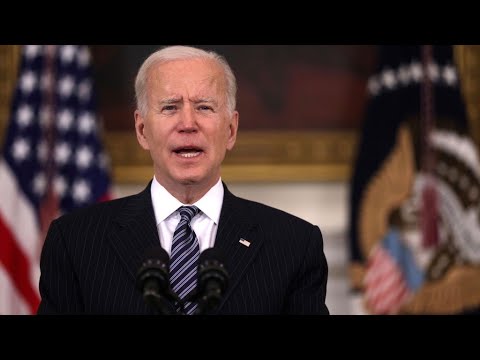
[212,280]
[153,281]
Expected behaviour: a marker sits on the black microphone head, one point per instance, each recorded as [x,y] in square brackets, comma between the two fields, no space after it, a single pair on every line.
[155,267]
[211,267]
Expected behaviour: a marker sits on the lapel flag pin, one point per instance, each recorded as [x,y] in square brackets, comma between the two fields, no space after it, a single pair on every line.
[244,242]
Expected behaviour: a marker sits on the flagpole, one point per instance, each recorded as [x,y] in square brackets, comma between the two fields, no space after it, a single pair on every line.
[49,205]
[429,214]
[49,106]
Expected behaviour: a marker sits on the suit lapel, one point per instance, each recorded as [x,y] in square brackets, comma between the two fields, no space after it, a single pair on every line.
[237,237]
[135,231]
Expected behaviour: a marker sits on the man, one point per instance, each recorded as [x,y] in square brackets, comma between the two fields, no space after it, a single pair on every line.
[186,119]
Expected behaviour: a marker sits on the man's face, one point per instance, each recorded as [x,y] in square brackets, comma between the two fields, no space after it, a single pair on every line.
[187,128]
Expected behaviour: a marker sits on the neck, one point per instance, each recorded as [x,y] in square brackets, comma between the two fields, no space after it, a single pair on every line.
[188,193]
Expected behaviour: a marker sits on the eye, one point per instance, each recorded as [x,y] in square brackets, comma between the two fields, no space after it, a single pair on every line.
[205,108]
[169,108]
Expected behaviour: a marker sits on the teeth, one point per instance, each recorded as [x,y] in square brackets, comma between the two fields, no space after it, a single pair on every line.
[189,154]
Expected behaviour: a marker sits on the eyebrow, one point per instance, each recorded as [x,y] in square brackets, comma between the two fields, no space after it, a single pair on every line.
[177,99]
[171,100]
[204,100]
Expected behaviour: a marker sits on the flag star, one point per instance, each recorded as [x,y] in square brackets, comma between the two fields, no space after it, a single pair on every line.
[83,56]
[28,81]
[404,75]
[32,51]
[62,153]
[67,53]
[24,115]
[84,89]
[39,184]
[86,122]
[450,75]
[60,185]
[388,79]
[20,149]
[416,71]
[80,191]
[433,72]
[65,86]
[84,157]
[46,116]
[373,86]
[42,151]
[65,120]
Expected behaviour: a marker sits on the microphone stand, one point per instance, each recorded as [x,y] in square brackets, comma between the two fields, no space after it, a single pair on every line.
[206,302]
[159,303]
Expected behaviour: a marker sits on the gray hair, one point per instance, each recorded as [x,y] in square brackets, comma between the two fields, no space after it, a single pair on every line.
[180,53]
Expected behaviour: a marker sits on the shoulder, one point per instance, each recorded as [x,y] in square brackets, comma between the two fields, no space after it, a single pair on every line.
[98,212]
[263,213]
[278,228]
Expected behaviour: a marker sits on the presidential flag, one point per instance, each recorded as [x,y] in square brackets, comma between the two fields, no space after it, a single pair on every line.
[52,162]
[415,189]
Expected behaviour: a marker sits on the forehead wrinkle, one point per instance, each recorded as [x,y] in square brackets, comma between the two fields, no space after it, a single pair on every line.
[208,87]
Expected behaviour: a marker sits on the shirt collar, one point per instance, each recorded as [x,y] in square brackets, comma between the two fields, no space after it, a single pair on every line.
[164,204]
[211,203]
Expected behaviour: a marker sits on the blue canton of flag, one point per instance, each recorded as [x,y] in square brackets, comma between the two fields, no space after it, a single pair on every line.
[52,162]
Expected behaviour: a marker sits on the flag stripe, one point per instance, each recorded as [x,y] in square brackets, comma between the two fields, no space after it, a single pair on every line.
[385,286]
[15,210]
[11,301]
[17,266]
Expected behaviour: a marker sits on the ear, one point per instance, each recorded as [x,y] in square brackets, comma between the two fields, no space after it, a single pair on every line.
[140,130]
[232,130]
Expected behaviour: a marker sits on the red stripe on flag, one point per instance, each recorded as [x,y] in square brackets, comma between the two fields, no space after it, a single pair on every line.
[18,267]
[105,197]
[385,286]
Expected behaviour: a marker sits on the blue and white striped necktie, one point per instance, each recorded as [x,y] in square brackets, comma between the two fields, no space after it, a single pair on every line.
[184,257]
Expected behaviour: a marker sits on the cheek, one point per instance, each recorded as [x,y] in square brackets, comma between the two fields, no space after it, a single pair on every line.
[221,138]
[224,133]
[150,136]
[156,136]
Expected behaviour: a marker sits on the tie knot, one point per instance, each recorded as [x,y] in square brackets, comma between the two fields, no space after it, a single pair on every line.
[188,212]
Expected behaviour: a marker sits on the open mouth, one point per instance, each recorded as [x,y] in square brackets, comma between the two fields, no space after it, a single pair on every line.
[188,152]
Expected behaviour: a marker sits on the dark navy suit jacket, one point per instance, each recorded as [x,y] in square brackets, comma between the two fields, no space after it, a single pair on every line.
[91,256]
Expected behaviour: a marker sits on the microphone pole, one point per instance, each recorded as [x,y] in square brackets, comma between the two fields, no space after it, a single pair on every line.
[212,281]
[158,302]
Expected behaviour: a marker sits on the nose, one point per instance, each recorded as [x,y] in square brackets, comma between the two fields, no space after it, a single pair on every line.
[187,120]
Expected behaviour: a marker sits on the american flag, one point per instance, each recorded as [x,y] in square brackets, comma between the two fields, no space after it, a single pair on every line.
[52,162]
[386,288]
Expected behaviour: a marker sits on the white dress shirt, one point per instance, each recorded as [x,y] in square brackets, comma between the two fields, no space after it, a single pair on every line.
[205,224]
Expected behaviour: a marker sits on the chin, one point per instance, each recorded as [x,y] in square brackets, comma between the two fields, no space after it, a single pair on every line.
[190,179]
